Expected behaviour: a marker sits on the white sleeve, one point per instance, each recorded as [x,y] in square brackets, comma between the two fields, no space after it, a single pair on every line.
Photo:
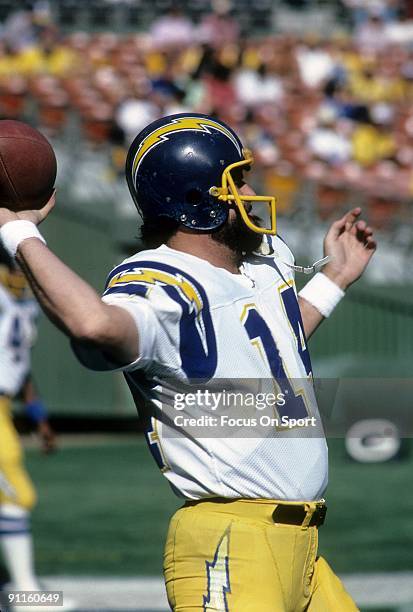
[157,322]
[146,323]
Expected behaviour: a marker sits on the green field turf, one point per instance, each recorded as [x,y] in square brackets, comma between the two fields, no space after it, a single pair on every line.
[104,510]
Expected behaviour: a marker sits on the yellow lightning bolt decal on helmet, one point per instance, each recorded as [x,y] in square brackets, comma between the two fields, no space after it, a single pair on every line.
[177,125]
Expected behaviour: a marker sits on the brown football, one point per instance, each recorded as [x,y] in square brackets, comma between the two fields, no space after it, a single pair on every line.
[27,167]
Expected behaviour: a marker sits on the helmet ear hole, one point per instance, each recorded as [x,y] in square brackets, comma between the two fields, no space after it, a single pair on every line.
[194,197]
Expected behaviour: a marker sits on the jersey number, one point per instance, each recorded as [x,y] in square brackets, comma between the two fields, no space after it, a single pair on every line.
[292,312]
[260,335]
[16,338]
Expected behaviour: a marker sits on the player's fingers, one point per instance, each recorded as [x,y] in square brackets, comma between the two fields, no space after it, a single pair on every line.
[365,234]
[51,202]
[345,223]
[370,243]
[357,228]
[38,215]
[361,225]
[351,217]
[48,207]
[337,228]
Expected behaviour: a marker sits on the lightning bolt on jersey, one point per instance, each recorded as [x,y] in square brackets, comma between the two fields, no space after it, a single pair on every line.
[18,313]
[197,322]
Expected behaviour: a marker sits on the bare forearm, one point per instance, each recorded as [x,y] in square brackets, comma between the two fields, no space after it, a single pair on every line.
[310,316]
[65,298]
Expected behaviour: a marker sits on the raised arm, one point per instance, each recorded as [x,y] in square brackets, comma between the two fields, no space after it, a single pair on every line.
[68,301]
[350,244]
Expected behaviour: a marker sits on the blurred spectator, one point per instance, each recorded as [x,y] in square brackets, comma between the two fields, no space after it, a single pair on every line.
[256,87]
[172,30]
[370,35]
[400,32]
[19,29]
[361,10]
[10,60]
[48,55]
[377,83]
[326,142]
[315,63]
[216,70]
[218,28]
[133,115]
[374,141]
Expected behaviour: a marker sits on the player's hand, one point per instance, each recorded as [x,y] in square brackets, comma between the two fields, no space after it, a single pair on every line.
[35,216]
[47,437]
[350,244]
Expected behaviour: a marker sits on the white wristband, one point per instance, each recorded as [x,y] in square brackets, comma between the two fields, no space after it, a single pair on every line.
[14,232]
[322,293]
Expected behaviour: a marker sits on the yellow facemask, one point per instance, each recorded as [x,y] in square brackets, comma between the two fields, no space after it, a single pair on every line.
[228,192]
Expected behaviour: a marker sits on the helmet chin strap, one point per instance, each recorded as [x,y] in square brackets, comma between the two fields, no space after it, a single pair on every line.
[265,249]
[317,265]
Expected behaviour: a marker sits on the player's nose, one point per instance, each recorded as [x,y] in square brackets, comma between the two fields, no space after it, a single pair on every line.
[247,190]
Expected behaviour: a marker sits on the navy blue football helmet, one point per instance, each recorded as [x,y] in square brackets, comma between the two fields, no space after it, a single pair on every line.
[182,167]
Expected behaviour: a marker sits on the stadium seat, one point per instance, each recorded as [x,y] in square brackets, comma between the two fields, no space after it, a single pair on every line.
[13,97]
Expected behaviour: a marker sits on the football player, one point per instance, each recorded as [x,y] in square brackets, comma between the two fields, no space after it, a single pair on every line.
[209,307]
[18,313]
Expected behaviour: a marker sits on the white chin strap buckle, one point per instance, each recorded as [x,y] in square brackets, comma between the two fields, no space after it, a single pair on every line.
[317,265]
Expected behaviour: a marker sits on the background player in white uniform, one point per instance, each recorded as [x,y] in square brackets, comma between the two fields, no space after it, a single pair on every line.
[18,313]
[215,301]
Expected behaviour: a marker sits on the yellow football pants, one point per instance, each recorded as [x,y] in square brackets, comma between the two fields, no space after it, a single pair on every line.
[15,484]
[231,557]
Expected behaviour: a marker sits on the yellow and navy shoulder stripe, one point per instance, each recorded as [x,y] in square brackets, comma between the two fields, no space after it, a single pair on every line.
[197,338]
[15,283]
[138,278]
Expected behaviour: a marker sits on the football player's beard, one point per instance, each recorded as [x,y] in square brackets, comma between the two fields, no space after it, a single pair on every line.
[236,235]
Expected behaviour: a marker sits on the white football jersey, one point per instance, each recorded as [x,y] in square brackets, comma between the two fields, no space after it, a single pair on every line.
[223,374]
[17,335]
